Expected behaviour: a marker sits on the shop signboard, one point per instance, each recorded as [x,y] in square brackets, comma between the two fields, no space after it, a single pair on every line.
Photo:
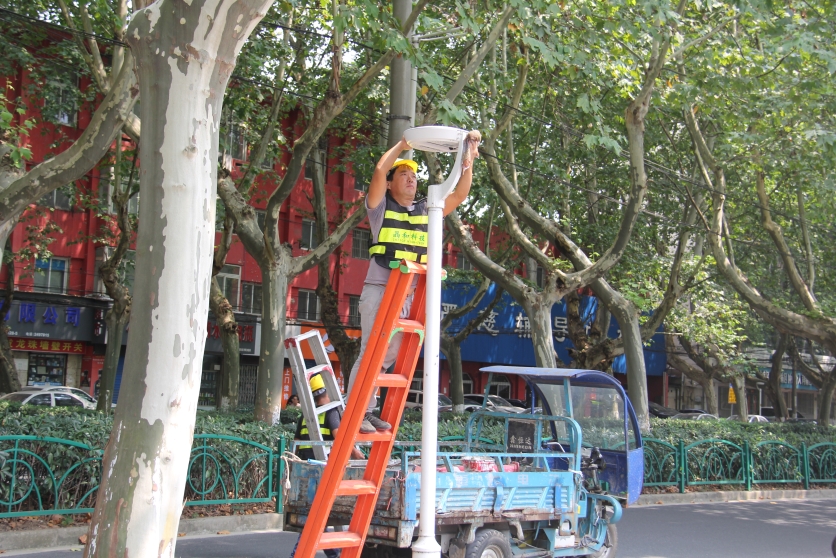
[505,336]
[54,321]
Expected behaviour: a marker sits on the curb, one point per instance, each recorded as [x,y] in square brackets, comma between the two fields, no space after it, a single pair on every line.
[647,500]
[68,536]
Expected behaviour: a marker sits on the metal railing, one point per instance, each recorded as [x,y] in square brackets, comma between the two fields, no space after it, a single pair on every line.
[721,462]
[46,476]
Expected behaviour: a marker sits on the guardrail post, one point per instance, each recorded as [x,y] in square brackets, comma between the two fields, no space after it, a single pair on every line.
[805,465]
[279,481]
[748,468]
[683,467]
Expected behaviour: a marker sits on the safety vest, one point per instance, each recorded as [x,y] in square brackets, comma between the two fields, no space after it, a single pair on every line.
[303,433]
[403,233]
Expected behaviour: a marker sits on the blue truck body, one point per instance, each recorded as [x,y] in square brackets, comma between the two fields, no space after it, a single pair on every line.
[535,487]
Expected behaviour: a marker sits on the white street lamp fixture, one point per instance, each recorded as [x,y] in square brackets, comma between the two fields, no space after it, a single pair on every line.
[438,139]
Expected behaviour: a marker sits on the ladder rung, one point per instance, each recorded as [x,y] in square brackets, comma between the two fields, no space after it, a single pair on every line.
[339,539]
[379,436]
[391,380]
[410,326]
[328,406]
[317,369]
[356,488]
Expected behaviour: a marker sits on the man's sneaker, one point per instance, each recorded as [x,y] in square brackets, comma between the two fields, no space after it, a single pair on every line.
[367,428]
[377,423]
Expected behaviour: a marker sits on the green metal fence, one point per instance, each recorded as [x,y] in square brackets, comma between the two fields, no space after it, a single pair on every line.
[45,476]
[718,462]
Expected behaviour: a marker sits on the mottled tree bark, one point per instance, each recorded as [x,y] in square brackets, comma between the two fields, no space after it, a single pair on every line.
[185,53]
[9,378]
[119,314]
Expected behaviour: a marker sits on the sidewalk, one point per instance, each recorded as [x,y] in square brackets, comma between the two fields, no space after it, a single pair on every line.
[68,536]
[734,496]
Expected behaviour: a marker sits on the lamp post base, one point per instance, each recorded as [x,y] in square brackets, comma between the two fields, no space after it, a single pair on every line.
[426,547]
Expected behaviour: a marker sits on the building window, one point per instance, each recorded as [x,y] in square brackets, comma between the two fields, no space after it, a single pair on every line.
[229,280]
[46,369]
[467,383]
[51,275]
[500,386]
[541,276]
[260,218]
[251,298]
[463,263]
[308,306]
[57,199]
[309,237]
[235,140]
[360,239]
[354,311]
[60,105]
[106,195]
[317,156]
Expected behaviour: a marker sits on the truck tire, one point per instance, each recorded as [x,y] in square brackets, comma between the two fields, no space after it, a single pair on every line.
[612,541]
[489,543]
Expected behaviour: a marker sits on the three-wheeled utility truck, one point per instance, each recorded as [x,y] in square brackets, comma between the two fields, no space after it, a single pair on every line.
[546,483]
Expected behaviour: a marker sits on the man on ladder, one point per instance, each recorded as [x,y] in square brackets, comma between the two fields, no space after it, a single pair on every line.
[398,232]
[329,421]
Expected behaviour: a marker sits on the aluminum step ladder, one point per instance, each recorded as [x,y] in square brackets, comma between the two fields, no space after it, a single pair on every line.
[369,379]
[302,374]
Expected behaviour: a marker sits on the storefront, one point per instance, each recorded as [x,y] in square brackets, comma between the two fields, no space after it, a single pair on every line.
[249,338]
[50,340]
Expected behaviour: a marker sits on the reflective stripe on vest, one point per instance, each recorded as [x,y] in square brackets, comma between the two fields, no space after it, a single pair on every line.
[303,434]
[403,233]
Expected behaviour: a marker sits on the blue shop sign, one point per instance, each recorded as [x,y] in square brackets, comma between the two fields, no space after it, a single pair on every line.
[505,336]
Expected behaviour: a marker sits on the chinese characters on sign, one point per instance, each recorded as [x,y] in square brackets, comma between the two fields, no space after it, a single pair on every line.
[45,345]
[489,324]
[246,333]
[27,313]
[561,328]
[522,326]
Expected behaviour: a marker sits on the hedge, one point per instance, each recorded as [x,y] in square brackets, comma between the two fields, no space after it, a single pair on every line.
[93,428]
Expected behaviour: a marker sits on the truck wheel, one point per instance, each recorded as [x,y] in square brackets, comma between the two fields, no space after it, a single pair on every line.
[489,543]
[610,544]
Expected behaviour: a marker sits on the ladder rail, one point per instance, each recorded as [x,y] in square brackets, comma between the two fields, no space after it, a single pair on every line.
[331,483]
[302,374]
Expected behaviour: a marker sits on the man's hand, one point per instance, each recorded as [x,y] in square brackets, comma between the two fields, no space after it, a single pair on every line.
[472,141]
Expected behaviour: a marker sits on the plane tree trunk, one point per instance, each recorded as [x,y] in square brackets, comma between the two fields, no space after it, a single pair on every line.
[185,54]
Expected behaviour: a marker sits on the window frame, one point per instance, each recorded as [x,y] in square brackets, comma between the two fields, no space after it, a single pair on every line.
[353,311]
[358,251]
[251,308]
[307,293]
[462,262]
[223,276]
[312,242]
[48,274]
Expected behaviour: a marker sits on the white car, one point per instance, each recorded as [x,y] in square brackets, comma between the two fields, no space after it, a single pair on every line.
[752,418]
[495,403]
[49,398]
[64,389]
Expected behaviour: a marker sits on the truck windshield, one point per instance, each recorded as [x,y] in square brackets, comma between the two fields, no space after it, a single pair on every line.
[598,410]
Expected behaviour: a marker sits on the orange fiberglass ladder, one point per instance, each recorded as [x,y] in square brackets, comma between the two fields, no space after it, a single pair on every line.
[386,325]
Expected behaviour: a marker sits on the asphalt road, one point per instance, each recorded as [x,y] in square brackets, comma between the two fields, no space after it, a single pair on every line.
[762,529]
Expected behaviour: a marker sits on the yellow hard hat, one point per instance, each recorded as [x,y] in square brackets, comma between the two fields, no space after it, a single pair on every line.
[408,162]
[317,385]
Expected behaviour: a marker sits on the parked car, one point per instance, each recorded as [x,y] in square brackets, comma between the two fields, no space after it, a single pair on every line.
[701,411]
[495,403]
[415,401]
[48,399]
[694,416]
[65,389]
[660,411]
[752,418]
[769,413]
